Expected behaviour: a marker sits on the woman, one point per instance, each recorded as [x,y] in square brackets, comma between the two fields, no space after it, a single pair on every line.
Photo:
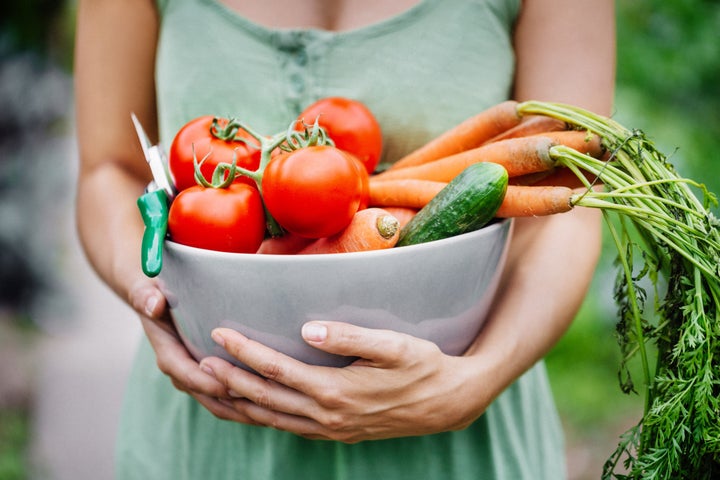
[421,66]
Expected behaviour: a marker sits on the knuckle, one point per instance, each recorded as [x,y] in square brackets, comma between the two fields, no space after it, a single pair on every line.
[178,385]
[398,347]
[349,439]
[335,422]
[163,365]
[218,413]
[274,422]
[187,378]
[262,398]
[331,398]
[270,370]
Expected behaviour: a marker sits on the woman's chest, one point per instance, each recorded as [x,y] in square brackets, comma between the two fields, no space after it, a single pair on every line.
[331,15]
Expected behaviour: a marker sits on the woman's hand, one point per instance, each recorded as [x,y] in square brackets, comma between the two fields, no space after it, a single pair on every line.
[400,386]
[173,359]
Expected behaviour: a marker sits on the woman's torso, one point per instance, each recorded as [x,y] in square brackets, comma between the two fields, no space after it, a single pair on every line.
[421,69]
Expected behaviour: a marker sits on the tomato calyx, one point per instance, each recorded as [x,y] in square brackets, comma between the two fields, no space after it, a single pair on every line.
[222,177]
[229,131]
[310,136]
[287,141]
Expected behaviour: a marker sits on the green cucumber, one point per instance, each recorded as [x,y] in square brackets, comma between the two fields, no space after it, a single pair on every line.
[466,204]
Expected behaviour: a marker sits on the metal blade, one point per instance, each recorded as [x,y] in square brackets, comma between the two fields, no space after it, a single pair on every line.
[156,159]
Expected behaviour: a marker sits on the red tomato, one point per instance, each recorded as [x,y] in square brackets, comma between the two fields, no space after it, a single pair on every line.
[224,219]
[315,191]
[351,125]
[197,134]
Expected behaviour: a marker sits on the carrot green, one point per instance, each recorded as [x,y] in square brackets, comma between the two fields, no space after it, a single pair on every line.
[666,235]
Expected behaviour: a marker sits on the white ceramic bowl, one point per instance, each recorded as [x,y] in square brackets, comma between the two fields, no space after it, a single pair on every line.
[439,291]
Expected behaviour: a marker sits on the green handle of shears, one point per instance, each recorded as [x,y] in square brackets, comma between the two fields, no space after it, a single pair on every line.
[154,210]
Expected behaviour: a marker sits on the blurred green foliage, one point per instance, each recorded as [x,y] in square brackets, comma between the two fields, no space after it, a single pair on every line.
[41,27]
[669,80]
[14,435]
[668,85]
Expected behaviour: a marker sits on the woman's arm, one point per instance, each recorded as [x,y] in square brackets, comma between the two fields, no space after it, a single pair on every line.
[565,53]
[114,68]
[114,75]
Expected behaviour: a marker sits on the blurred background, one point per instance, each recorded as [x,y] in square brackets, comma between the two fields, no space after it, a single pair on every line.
[60,400]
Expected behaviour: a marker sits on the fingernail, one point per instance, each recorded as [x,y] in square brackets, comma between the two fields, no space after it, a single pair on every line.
[150,305]
[234,394]
[217,338]
[207,370]
[314,332]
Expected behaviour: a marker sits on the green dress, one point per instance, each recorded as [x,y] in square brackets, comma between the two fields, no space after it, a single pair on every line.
[420,72]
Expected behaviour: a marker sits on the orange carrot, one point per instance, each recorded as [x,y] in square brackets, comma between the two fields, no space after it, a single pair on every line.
[370,229]
[532,178]
[531,125]
[532,201]
[583,142]
[403,214]
[287,244]
[518,155]
[404,192]
[563,176]
[470,133]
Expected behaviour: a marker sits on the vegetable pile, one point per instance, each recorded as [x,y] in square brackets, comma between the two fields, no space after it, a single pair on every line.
[315,189]
[308,189]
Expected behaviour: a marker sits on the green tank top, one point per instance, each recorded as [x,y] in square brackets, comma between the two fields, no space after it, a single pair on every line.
[420,72]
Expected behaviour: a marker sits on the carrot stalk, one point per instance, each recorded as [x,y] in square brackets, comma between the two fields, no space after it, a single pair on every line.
[531,125]
[532,201]
[404,192]
[469,134]
[370,229]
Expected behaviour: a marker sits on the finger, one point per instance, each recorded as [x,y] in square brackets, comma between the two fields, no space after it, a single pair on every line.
[266,394]
[147,299]
[175,361]
[298,425]
[224,409]
[381,348]
[267,362]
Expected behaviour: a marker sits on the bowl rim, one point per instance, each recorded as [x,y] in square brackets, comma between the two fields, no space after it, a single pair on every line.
[487,230]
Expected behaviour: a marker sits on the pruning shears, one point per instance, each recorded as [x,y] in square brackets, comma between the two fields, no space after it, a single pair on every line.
[154,204]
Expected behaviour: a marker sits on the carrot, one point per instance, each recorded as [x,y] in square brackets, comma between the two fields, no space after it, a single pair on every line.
[518,155]
[531,125]
[532,178]
[404,192]
[403,214]
[370,229]
[285,245]
[532,201]
[581,141]
[468,134]
[563,176]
